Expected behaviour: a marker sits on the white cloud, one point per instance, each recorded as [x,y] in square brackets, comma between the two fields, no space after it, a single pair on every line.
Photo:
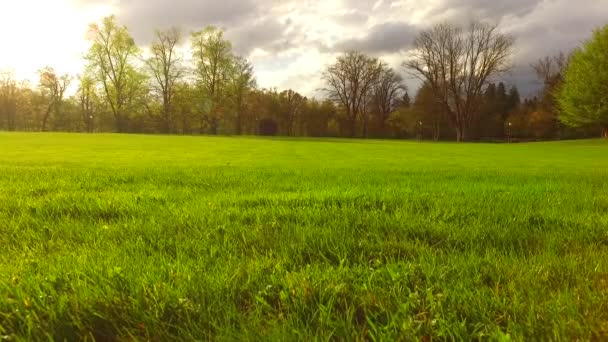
[288,41]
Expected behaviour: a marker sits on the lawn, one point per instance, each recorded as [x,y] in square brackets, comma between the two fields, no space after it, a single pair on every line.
[122,237]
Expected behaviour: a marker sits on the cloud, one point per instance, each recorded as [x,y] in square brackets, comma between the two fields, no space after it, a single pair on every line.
[143,16]
[465,10]
[266,33]
[291,41]
[386,37]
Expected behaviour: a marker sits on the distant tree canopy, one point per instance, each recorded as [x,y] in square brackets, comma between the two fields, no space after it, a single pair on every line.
[583,97]
[156,89]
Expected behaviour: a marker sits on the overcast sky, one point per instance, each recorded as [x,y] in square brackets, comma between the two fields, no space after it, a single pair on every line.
[290,42]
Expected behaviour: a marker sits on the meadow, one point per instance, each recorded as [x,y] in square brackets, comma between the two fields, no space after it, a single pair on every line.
[127,237]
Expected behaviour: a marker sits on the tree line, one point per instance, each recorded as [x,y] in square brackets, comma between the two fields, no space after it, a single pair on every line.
[126,89]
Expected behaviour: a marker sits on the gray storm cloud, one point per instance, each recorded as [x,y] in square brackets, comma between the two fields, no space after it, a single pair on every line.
[376,27]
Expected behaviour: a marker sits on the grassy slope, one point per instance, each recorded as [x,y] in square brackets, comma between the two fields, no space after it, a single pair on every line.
[116,236]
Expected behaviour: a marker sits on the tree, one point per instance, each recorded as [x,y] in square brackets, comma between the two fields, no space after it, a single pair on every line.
[8,100]
[111,61]
[350,81]
[268,127]
[87,98]
[549,71]
[242,82]
[318,114]
[28,104]
[405,100]
[583,98]
[387,94]
[457,64]
[292,106]
[513,99]
[429,111]
[53,88]
[502,101]
[213,60]
[550,68]
[166,69]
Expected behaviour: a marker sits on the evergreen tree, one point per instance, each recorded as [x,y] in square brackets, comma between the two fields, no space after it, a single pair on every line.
[514,99]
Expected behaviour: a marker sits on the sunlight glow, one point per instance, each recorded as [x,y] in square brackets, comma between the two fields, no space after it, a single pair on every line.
[36,33]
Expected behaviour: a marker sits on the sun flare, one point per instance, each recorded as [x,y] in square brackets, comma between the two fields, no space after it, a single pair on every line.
[40,32]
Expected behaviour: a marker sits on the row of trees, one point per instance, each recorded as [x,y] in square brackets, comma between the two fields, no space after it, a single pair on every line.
[127,89]
[457,98]
[429,119]
[217,83]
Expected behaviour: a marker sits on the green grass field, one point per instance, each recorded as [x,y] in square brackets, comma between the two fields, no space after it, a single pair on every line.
[118,237]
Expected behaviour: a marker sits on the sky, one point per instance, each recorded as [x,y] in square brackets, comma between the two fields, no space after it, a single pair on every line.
[290,42]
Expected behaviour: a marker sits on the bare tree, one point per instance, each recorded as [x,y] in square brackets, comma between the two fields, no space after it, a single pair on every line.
[549,71]
[52,87]
[457,64]
[350,81]
[166,69]
[387,95]
[550,68]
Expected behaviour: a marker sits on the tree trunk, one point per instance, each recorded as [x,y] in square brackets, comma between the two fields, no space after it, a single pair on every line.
[11,119]
[382,127]
[121,124]
[605,132]
[185,127]
[201,129]
[353,127]
[289,126]
[167,124]
[461,132]
[436,132]
[166,127]
[213,126]
[46,118]
[239,127]
[86,119]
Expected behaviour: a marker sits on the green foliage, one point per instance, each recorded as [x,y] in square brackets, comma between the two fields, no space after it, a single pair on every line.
[242,83]
[52,88]
[214,70]
[291,111]
[88,101]
[166,70]
[111,59]
[317,117]
[583,98]
[119,237]
[9,98]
